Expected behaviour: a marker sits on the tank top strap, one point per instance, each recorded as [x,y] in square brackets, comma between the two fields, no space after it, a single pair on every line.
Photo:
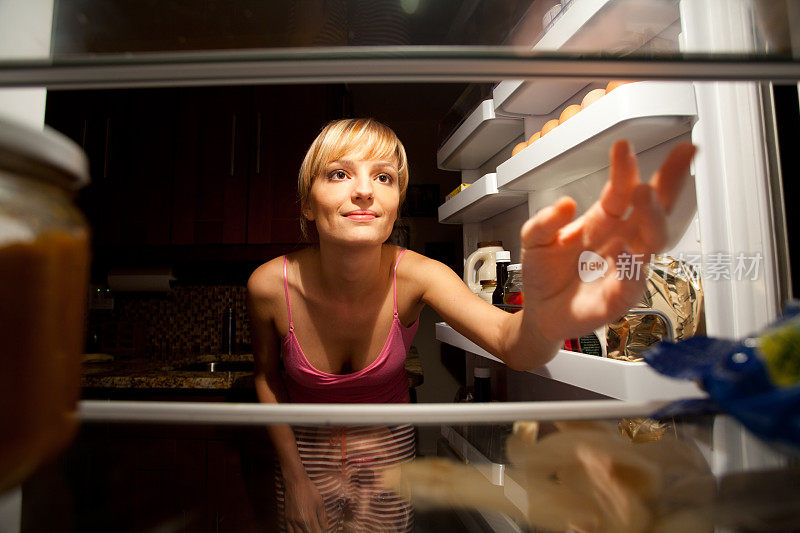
[286,290]
[394,283]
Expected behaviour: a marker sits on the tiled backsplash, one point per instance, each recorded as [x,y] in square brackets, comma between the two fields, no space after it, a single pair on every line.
[186,321]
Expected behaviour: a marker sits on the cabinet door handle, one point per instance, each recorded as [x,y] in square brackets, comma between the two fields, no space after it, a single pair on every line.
[233,144]
[108,149]
[258,143]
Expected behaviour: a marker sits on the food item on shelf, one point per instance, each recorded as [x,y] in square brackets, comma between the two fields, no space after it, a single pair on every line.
[613,84]
[568,113]
[591,97]
[457,190]
[548,126]
[584,476]
[518,148]
[535,137]
[512,289]
[673,287]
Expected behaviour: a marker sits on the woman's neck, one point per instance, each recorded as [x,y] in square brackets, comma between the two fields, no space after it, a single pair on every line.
[350,272]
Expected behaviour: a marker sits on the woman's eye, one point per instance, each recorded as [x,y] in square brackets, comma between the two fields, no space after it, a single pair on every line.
[385,178]
[338,175]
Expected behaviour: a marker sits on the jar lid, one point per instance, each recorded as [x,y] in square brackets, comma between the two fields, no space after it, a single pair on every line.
[45,154]
[503,255]
[515,266]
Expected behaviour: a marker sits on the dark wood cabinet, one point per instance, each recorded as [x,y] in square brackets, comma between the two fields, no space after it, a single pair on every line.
[192,166]
[287,119]
[212,166]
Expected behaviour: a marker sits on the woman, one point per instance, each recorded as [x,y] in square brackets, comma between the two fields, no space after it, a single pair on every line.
[352,302]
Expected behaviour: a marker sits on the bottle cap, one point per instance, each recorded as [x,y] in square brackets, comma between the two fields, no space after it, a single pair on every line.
[515,266]
[481,372]
[503,256]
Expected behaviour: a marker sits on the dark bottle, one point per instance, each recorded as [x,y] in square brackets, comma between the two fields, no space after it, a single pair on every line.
[228,331]
[502,259]
[482,384]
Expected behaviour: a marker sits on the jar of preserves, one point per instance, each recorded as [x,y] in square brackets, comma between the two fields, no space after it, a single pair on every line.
[512,290]
[44,272]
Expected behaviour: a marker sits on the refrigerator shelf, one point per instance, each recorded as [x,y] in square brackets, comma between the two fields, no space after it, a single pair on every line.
[610,377]
[647,113]
[580,26]
[479,201]
[495,473]
[480,137]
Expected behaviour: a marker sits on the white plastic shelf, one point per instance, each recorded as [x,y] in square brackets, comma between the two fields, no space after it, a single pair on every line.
[647,113]
[479,201]
[584,25]
[481,136]
[617,379]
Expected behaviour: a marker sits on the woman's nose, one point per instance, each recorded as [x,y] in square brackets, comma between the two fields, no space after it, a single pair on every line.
[362,188]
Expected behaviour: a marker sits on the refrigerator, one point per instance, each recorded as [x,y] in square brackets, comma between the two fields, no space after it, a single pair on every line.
[701,71]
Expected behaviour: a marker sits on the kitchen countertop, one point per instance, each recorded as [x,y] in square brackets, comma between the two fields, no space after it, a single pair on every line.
[148,374]
[127,373]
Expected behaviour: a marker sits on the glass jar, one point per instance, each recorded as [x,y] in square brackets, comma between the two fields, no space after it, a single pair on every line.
[44,273]
[512,290]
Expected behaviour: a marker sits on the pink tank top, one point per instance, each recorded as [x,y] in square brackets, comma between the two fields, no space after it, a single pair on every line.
[383,381]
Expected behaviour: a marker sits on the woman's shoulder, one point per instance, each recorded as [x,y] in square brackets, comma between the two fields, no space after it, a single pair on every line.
[414,266]
[267,280]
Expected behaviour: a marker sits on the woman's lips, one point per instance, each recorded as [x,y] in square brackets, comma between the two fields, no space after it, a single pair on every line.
[361,216]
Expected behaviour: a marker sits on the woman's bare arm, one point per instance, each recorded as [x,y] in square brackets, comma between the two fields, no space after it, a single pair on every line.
[630,217]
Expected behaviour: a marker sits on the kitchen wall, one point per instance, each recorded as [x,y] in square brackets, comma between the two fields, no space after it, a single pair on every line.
[171,326]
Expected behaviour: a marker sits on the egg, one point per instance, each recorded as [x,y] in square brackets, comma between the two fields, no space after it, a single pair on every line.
[591,97]
[518,148]
[548,126]
[535,137]
[613,84]
[568,113]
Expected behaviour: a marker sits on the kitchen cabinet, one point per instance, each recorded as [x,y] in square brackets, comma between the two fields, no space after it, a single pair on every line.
[129,137]
[211,171]
[282,135]
[192,166]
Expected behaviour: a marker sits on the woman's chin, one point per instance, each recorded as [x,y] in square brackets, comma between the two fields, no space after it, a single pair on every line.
[358,237]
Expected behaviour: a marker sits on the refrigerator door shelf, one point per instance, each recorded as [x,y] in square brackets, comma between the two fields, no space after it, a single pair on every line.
[617,379]
[495,473]
[480,137]
[538,97]
[479,201]
[646,113]
[585,25]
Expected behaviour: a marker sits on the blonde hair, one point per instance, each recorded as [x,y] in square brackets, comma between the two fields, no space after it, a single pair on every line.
[364,137]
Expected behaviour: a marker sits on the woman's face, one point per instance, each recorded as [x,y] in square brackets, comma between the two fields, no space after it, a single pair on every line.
[355,201]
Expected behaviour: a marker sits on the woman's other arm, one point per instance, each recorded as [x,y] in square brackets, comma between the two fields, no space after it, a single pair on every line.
[629,218]
[305,510]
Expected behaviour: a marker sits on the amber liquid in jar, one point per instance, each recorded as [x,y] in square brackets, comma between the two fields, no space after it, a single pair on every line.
[43,294]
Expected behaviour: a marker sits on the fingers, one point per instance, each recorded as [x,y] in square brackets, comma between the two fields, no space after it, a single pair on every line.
[623,179]
[649,221]
[542,228]
[671,177]
[625,280]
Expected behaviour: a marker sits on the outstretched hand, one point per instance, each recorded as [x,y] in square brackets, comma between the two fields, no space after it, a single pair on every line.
[628,219]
